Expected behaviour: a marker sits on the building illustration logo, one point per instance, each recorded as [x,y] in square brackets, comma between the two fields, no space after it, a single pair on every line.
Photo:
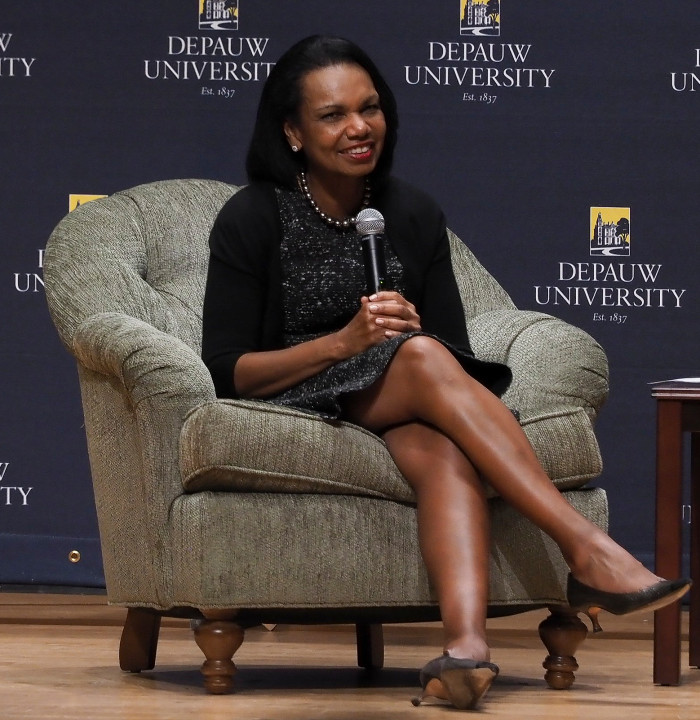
[610,231]
[480,17]
[218,14]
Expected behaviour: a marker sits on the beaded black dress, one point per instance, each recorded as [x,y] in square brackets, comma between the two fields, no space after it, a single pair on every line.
[323,279]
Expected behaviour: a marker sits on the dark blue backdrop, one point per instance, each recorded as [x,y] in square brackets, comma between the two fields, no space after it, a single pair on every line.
[520,131]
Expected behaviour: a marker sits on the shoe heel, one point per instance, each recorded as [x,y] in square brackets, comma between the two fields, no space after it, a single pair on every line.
[434,693]
[593,613]
[466,688]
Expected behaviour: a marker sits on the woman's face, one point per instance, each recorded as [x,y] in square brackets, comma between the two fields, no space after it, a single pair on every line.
[340,125]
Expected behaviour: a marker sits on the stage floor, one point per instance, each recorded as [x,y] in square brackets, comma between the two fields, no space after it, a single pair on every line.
[58,660]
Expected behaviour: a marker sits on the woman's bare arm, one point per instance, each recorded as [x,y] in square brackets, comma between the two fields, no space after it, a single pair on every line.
[262,374]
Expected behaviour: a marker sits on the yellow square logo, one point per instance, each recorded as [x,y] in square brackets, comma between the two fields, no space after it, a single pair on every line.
[610,231]
[75,201]
[480,17]
[218,14]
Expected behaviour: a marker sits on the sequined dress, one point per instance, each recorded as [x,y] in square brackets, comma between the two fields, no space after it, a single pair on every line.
[323,279]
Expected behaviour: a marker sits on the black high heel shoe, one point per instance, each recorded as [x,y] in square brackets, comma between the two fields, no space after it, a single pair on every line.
[465,681]
[584,598]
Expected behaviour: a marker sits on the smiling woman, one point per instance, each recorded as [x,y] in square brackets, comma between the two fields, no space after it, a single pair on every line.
[398,363]
[340,127]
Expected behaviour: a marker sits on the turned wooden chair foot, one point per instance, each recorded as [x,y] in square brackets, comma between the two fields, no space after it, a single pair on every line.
[370,646]
[218,639]
[139,641]
[562,633]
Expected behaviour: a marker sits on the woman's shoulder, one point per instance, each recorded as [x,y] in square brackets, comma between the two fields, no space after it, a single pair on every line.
[250,201]
[247,223]
[414,220]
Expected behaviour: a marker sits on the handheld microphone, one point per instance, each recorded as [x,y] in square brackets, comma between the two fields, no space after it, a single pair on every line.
[370,225]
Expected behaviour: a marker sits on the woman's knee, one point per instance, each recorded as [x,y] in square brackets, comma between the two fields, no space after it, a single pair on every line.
[420,348]
[425,354]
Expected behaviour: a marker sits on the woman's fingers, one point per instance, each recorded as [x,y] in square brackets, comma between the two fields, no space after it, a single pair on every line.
[385,315]
[393,312]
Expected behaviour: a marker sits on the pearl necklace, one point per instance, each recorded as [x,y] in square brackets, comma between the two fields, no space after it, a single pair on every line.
[340,224]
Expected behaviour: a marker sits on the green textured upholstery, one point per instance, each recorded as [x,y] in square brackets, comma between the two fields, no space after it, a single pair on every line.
[207,503]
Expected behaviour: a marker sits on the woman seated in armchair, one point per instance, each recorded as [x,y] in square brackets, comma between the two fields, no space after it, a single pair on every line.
[288,319]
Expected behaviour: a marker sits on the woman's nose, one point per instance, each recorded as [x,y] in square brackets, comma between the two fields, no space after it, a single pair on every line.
[358,125]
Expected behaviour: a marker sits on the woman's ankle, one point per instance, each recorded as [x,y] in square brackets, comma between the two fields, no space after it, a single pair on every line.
[472,647]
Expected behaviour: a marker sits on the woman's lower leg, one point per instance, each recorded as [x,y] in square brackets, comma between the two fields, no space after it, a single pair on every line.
[453,528]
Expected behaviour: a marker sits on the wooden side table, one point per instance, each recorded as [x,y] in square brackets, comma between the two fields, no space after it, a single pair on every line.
[677,412]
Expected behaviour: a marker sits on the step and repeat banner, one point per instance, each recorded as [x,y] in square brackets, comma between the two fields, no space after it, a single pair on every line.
[560,138]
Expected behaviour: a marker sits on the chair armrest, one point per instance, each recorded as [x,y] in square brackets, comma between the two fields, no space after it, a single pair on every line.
[554,363]
[148,362]
[134,443]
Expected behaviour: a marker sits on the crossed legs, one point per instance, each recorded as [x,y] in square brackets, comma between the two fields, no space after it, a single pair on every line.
[445,431]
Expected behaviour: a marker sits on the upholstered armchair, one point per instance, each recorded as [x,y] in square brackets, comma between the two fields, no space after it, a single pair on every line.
[240,512]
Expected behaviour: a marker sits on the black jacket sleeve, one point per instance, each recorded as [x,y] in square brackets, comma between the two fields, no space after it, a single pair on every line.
[240,312]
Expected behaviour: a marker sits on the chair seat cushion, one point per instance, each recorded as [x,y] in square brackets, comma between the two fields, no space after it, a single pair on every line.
[246,446]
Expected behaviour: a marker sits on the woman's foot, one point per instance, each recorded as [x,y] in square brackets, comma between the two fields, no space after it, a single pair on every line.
[459,682]
[589,600]
[602,564]
[472,646]
[608,578]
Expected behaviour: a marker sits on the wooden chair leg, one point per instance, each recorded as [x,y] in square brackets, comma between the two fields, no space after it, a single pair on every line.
[370,646]
[562,632]
[218,639]
[139,641]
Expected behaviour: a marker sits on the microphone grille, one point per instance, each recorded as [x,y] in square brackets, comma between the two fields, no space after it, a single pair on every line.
[369,222]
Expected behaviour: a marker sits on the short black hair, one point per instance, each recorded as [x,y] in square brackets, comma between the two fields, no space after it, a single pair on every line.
[269,157]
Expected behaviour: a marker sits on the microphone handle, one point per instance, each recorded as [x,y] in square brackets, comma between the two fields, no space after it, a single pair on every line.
[375,265]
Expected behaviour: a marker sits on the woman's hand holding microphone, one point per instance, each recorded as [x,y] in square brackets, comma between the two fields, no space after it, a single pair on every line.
[381,316]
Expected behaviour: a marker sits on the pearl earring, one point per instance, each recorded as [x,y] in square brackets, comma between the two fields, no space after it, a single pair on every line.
[295,148]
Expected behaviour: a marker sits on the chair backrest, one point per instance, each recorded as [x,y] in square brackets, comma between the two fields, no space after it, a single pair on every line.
[142,252]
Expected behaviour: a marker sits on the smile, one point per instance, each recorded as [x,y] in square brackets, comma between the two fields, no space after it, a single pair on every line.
[360,152]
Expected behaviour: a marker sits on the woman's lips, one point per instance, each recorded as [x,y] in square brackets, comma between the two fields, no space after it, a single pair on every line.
[359,152]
